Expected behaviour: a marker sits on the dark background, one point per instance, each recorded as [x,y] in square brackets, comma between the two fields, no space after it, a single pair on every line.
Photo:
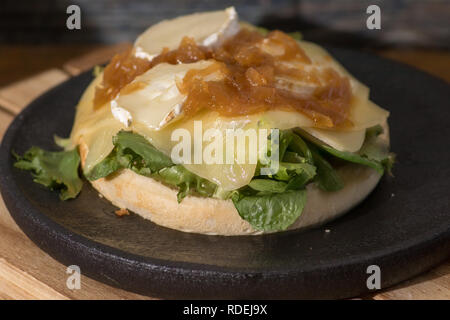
[418,22]
[33,34]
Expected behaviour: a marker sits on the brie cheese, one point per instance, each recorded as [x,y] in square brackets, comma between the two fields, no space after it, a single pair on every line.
[158,101]
[207,29]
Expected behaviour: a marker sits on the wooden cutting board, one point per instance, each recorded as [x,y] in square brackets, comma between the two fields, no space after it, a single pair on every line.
[26,272]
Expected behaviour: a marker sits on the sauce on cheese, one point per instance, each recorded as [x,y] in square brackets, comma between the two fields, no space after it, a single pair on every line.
[121,70]
[257,73]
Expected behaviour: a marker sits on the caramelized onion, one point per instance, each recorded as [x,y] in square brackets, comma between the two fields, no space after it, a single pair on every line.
[257,73]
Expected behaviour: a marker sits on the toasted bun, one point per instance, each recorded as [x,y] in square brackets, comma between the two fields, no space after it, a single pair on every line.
[154,201]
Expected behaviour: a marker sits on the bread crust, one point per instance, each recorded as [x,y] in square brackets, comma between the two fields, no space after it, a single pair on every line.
[157,202]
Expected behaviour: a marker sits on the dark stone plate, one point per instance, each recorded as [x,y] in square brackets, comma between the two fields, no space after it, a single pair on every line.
[403,226]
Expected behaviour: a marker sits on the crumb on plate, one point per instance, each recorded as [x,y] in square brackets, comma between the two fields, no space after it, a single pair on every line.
[122,212]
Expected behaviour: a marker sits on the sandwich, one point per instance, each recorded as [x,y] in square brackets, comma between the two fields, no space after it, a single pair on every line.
[214,126]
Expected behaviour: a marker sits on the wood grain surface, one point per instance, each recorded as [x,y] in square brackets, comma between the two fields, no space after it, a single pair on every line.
[26,272]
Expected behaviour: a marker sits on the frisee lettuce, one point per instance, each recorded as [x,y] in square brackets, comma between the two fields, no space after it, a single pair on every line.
[55,170]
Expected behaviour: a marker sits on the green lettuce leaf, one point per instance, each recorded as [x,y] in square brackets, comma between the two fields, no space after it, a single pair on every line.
[299,146]
[355,158]
[152,158]
[55,170]
[295,170]
[377,149]
[268,185]
[271,212]
[374,152]
[110,164]
[130,151]
[187,181]
[273,203]
[293,157]
[288,171]
[327,178]
[133,151]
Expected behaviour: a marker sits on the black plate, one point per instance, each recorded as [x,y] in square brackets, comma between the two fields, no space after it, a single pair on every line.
[403,226]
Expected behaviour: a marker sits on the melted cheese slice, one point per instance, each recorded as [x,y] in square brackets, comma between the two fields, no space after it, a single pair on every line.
[228,176]
[95,127]
[363,112]
[159,101]
[207,29]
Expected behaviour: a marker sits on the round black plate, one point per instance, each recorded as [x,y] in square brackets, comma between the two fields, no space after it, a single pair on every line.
[403,226]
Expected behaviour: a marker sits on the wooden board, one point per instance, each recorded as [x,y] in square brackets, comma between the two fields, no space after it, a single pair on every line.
[26,272]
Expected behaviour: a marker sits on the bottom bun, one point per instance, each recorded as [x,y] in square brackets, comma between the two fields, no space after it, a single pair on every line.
[155,201]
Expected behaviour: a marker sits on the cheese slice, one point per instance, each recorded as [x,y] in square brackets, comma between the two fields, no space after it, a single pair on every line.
[207,29]
[158,101]
[350,141]
[95,127]
[341,140]
[228,176]
[363,112]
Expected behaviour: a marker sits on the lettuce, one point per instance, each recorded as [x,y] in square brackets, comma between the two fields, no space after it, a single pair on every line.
[273,203]
[327,178]
[134,152]
[374,152]
[376,149]
[55,170]
[268,185]
[271,212]
[130,143]
[300,147]
[186,181]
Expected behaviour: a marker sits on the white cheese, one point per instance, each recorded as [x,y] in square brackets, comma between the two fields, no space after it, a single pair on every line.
[208,29]
[121,114]
[158,101]
[350,141]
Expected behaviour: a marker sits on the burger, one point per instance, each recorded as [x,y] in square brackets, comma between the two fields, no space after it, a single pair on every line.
[214,126]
